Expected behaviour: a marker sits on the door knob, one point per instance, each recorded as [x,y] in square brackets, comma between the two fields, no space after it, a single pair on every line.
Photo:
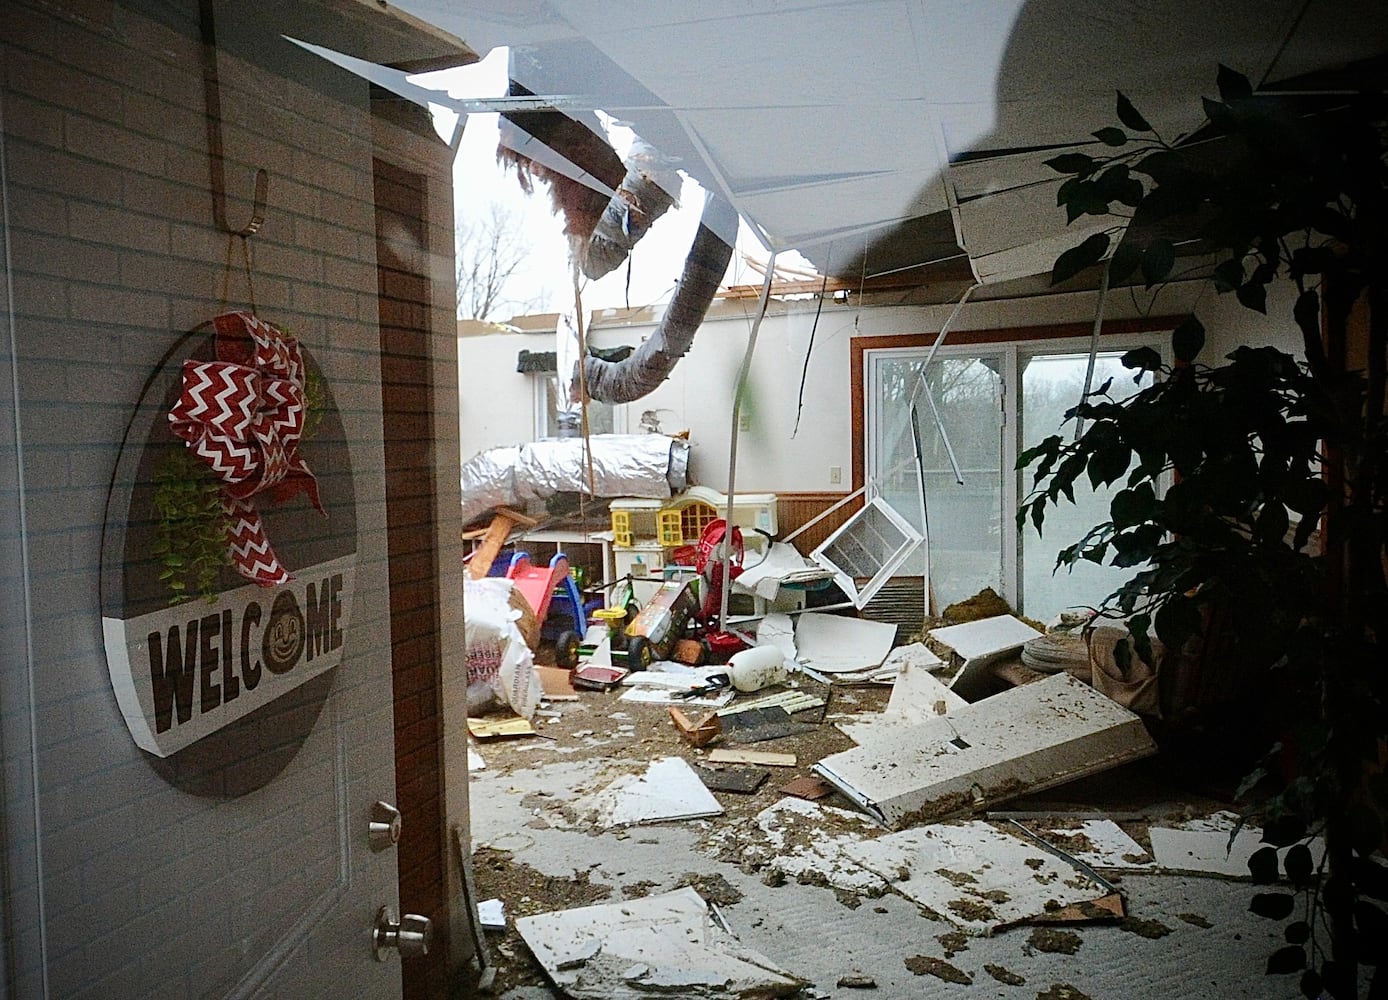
[410,935]
[383,830]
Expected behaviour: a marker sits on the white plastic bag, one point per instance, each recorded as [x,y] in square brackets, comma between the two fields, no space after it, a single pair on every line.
[500,669]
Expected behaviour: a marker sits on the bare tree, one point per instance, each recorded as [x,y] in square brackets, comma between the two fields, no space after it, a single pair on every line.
[491,249]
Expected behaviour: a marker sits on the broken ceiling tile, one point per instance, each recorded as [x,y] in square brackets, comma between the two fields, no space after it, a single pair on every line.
[1203,846]
[1023,740]
[665,944]
[980,643]
[976,876]
[804,840]
[668,790]
[915,654]
[1099,843]
[491,914]
[777,629]
[916,697]
[837,644]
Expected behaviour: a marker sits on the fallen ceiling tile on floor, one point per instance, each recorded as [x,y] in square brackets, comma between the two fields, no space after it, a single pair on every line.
[976,876]
[835,644]
[1203,846]
[669,944]
[1099,843]
[668,790]
[1026,739]
[917,696]
[980,643]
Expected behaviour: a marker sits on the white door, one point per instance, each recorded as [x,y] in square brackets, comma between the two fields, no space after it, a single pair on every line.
[244,871]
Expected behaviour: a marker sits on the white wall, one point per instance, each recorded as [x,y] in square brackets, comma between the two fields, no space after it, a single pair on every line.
[497,403]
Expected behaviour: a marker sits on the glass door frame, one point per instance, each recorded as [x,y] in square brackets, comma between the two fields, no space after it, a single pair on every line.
[1010,353]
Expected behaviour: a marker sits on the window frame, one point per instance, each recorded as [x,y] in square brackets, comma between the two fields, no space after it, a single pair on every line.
[1011,344]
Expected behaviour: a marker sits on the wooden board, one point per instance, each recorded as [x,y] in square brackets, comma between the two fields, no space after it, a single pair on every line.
[761,757]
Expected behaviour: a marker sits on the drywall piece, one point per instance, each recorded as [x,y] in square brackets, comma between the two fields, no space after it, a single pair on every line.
[979,644]
[671,688]
[976,876]
[915,654]
[805,840]
[763,758]
[1202,846]
[669,790]
[491,913]
[667,944]
[916,697]
[1099,843]
[836,644]
[474,760]
[777,629]
[1023,740]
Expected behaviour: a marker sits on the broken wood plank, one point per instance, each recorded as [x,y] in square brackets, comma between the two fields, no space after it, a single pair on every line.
[699,733]
[556,683]
[504,521]
[808,787]
[1023,740]
[764,758]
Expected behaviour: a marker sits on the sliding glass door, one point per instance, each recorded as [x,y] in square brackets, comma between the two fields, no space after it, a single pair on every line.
[989,403]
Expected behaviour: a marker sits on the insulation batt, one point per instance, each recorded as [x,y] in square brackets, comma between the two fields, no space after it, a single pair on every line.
[653,466]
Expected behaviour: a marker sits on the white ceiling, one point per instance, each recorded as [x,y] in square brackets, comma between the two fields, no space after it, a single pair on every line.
[832,123]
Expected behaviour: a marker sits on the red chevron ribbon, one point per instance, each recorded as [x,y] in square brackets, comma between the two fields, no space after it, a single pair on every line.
[243,415]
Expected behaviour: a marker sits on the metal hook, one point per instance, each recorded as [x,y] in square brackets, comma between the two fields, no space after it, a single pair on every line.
[212,93]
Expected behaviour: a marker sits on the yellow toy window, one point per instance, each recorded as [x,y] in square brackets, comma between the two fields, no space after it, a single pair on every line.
[669,528]
[695,518]
[621,527]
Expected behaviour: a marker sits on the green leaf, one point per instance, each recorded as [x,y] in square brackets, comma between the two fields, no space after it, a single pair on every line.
[1233,86]
[1108,463]
[1297,932]
[1311,985]
[1271,527]
[1157,261]
[1372,924]
[1076,259]
[1129,116]
[1254,296]
[1111,136]
[1370,878]
[1187,339]
[1284,830]
[1298,863]
[1286,960]
[1124,262]
[1145,358]
[1262,865]
[1273,905]
[1228,275]
[1073,163]
[1177,621]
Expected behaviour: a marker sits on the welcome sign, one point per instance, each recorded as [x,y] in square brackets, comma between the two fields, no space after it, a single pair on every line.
[228,566]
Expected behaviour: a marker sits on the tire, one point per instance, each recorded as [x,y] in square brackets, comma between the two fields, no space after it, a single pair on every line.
[566,649]
[639,653]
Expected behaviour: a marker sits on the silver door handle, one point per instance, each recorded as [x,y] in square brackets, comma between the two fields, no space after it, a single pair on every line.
[410,935]
[383,830]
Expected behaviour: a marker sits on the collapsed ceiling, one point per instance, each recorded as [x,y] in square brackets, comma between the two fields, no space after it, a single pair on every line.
[877,136]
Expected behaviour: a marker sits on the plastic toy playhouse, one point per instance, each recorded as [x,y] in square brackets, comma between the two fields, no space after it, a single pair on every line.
[649,534]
